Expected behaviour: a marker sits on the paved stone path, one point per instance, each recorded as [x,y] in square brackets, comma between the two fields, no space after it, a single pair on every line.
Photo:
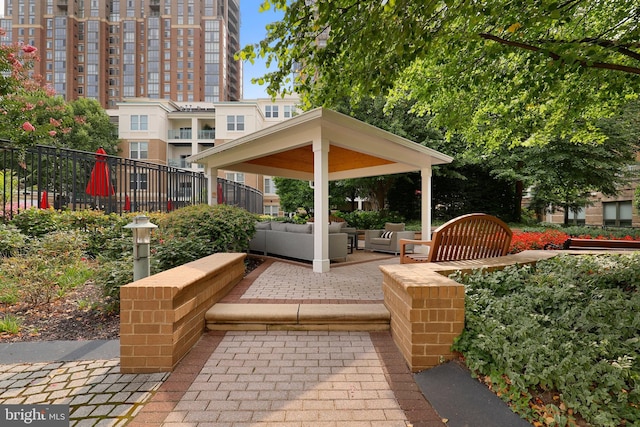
[95,390]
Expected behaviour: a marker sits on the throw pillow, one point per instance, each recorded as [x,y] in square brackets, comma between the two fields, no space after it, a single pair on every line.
[386,234]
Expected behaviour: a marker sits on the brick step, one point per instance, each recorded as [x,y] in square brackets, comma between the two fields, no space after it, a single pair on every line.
[299,317]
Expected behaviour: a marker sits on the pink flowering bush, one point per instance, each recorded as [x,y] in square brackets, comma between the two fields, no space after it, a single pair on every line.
[30,111]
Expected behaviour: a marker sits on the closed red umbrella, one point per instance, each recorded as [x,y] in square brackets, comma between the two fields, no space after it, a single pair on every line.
[220,195]
[44,201]
[127,203]
[99,183]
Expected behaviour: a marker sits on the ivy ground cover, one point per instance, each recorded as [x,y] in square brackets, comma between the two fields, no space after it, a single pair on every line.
[559,341]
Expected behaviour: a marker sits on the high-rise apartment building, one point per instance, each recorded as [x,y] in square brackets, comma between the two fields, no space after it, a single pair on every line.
[110,50]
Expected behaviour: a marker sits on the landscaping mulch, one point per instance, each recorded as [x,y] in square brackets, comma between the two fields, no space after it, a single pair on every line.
[81,314]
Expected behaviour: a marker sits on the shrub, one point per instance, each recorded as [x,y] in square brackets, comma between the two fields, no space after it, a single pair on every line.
[176,251]
[35,222]
[105,233]
[11,240]
[33,276]
[109,242]
[227,228]
[370,220]
[63,246]
[603,233]
[88,219]
[567,327]
[111,275]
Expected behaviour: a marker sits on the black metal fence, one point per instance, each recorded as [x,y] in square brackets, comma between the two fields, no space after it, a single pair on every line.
[72,179]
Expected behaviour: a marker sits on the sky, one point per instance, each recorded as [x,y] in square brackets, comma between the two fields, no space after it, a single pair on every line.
[252,30]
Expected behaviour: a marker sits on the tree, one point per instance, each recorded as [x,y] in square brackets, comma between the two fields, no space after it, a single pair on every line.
[294,194]
[567,172]
[32,114]
[92,127]
[564,173]
[497,72]
[400,121]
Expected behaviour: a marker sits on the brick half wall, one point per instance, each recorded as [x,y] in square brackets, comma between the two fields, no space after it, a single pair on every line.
[163,316]
[427,308]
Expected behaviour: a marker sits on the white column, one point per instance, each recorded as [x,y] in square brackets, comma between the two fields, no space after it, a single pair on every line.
[213,186]
[194,136]
[425,206]
[321,206]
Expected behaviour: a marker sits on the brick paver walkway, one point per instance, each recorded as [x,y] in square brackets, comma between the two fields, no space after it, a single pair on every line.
[288,379]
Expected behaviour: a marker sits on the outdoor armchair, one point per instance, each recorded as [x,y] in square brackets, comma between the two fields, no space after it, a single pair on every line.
[388,239]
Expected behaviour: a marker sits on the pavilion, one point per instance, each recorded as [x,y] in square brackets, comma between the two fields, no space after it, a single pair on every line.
[322,145]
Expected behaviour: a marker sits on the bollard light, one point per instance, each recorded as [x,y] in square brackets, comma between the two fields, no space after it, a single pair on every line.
[141,228]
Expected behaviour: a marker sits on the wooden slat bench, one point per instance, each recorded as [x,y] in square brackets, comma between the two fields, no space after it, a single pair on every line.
[467,237]
[575,243]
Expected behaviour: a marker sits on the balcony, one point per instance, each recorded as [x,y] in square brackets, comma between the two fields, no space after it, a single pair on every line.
[207,134]
[179,134]
[183,164]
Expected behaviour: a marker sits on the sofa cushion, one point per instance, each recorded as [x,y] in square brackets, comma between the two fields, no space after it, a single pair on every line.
[335,227]
[380,241]
[386,234]
[299,228]
[263,225]
[391,226]
[278,226]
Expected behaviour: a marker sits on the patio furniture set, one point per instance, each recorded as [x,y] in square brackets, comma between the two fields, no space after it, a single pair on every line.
[473,236]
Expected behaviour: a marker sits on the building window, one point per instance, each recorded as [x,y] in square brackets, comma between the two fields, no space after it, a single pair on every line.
[138,181]
[617,214]
[289,111]
[269,186]
[235,177]
[271,210]
[235,123]
[577,217]
[271,111]
[139,150]
[140,122]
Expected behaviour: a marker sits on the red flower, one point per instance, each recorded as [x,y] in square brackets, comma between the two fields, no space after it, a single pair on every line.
[52,132]
[522,241]
[29,49]
[28,127]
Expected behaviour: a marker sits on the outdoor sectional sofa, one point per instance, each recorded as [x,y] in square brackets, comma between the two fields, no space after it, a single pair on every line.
[296,240]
